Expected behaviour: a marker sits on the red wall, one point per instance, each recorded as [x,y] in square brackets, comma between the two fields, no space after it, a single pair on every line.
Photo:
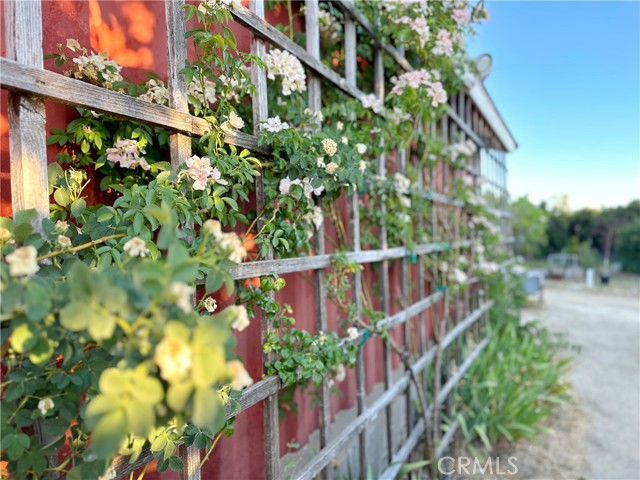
[133,33]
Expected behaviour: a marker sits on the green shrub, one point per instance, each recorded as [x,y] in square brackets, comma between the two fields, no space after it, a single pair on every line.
[628,246]
[516,381]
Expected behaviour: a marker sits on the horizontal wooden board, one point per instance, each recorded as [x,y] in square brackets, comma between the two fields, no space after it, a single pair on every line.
[325,455]
[316,262]
[401,456]
[17,77]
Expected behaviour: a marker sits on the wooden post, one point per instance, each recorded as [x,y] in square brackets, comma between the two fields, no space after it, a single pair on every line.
[378,78]
[351,67]
[26,113]
[180,149]
[312,30]
[260,115]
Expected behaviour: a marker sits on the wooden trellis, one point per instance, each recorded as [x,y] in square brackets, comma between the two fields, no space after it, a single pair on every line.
[22,74]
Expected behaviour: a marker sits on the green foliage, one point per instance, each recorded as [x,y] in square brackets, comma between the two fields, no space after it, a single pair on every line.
[628,246]
[517,380]
[529,228]
[107,354]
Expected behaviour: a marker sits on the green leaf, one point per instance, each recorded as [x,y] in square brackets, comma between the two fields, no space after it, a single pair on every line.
[410,467]
[206,407]
[101,327]
[110,430]
[159,443]
[138,221]
[37,301]
[24,337]
[22,231]
[214,281]
[78,207]
[176,464]
[75,316]
[140,418]
[178,394]
[62,197]
[24,216]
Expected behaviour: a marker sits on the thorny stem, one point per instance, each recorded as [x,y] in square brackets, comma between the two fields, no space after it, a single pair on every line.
[255,220]
[290,13]
[77,248]
[213,446]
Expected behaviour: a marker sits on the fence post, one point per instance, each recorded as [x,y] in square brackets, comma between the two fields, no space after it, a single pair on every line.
[260,114]
[180,149]
[26,113]
[378,79]
[312,30]
[351,68]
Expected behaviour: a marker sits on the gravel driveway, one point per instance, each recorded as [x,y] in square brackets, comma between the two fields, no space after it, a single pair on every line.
[605,324]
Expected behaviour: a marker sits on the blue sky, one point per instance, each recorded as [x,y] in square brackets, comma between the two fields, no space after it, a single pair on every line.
[566,79]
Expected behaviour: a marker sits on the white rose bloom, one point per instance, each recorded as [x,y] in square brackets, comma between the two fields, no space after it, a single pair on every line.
[73,44]
[239,375]
[242,318]
[361,148]
[331,168]
[23,262]
[286,184]
[458,276]
[210,304]
[329,146]
[64,241]
[136,247]
[274,125]
[61,226]
[314,216]
[340,373]
[231,242]
[45,405]
[173,356]
[181,293]
[352,333]
[308,188]
[235,121]
[282,64]
[213,227]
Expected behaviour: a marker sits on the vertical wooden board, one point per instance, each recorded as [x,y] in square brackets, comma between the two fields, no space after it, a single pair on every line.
[190,456]
[180,145]
[180,150]
[405,301]
[351,66]
[260,115]
[378,69]
[26,113]
[312,31]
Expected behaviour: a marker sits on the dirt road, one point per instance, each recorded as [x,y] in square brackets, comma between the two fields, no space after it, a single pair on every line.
[605,376]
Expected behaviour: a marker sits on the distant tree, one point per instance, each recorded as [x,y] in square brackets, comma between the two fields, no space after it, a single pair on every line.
[529,228]
[628,246]
[583,225]
[610,221]
[557,230]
